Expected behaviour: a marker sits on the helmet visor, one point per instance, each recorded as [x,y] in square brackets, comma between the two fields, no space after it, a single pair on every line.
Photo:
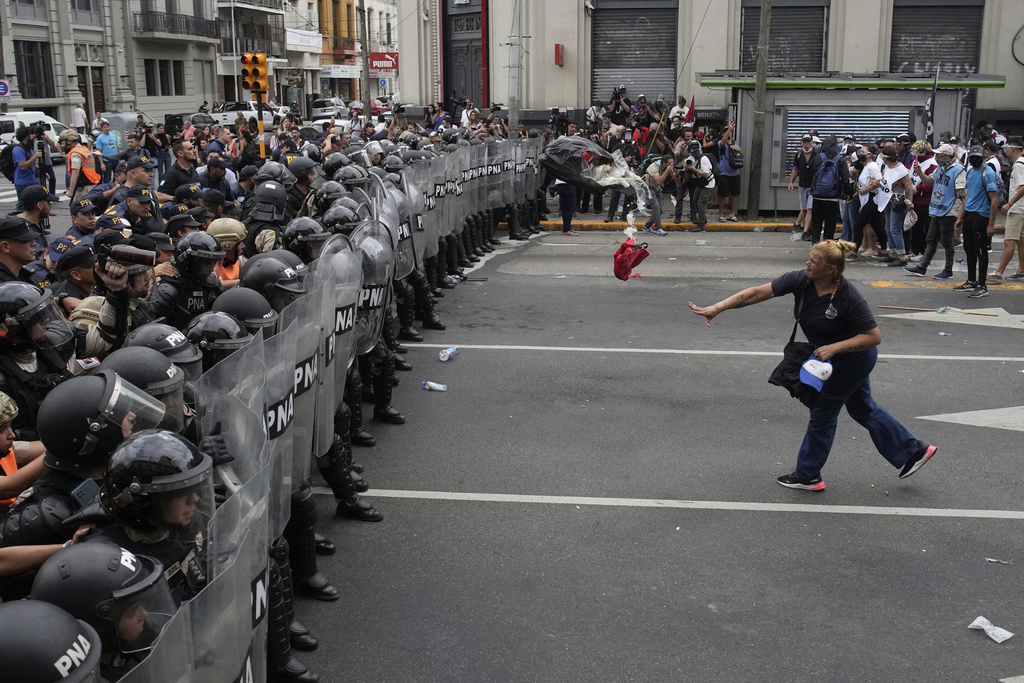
[184,502]
[132,408]
[46,325]
[140,611]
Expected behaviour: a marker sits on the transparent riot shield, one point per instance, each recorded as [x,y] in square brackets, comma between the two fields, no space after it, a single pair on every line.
[405,248]
[373,243]
[413,179]
[348,280]
[170,659]
[493,174]
[508,165]
[518,170]
[533,168]
[323,432]
[306,313]
[456,215]
[228,617]
[279,354]
[229,401]
[425,169]
[478,191]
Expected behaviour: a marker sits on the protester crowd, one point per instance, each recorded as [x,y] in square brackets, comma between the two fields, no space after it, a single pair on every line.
[175,358]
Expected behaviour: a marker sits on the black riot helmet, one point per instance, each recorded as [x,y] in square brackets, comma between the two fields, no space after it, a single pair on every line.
[122,595]
[394,164]
[155,374]
[394,180]
[269,201]
[451,136]
[171,342]
[341,218]
[83,419]
[249,307]
[217,335]
[196,254]
[301,167]
[352,176]
[326,194]
[335,161]
[276,172]
[29,318]
[378,171]
[273,278]
[42,643]
[313,151]
[157,481]
[304,237]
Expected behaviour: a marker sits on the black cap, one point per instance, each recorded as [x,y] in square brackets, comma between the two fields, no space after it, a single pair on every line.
[122,167]
[214,197]
[248,172]
[232,209]
[76,257]
[110,221]
[991,145]
[903,138]
[17,229]
[188,191]
[161,241]
[198,212]
[141,161]
[108,238]
[34,194]
[139,192]
[216,161]
[182,220]
[82,205]
[171,209]
[807,138]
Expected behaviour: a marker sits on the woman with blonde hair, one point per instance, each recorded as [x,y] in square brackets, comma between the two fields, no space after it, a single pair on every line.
[836,319]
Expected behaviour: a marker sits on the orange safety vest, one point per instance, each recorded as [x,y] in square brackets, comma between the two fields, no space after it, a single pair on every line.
[10,466]
[229,272]
[92,176]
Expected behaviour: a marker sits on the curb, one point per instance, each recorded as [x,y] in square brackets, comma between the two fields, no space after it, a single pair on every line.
[619,226]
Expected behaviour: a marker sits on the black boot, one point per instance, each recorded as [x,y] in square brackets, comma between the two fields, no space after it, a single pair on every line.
[300,637]
[358,481]
[354,403]
[324,545]
[338,477]
[466,258]
[453,255]
[430,271]
[424,306]
[306,577]
[479,239]
[283,666]
[514,230]
[383,370]
[406,306]
[474,237]
[487,220]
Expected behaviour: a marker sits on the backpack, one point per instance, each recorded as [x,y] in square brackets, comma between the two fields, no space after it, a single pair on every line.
[1001,190]
[826,178]
[7,162]
[735,158]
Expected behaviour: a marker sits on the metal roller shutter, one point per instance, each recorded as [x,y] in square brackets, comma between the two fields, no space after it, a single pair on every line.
[797,41]
[864,125]
[635,48]
[929,35]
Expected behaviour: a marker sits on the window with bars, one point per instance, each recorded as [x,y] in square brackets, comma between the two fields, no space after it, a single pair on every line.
[35,69]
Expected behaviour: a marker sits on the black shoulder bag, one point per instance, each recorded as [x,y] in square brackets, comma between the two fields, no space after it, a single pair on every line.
[787,373]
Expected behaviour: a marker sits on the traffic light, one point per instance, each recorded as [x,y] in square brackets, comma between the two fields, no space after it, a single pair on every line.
[254,71]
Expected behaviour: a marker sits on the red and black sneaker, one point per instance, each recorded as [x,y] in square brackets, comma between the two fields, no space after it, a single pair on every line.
[918,459]
[791,481]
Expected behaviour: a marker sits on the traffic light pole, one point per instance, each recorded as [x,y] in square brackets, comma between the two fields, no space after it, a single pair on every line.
[258,96]
[254,79]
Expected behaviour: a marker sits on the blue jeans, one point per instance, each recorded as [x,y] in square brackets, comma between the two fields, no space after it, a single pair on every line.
[852,389]
[849,212]
[894,217]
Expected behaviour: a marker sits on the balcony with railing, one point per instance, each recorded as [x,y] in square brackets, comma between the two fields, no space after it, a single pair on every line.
[252,37]
[268,5]
[176,24]
[340,45]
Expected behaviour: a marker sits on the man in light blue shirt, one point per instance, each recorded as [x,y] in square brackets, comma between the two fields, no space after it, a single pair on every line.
[106,145]
[978,221]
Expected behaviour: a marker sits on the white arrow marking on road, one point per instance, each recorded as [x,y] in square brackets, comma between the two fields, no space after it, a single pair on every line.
[1004,319]
[1015,679]
[997,418]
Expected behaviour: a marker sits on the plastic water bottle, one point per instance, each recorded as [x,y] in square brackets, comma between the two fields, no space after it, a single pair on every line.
[448,353]
[434,386]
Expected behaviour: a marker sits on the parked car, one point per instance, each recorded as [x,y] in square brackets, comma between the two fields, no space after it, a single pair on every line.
[228,112]
[13,120]
[328,108]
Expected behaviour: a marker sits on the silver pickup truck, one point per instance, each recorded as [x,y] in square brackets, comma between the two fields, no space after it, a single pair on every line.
[228,112]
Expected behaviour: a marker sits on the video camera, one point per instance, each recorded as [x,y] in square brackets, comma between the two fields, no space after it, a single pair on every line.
[39,128]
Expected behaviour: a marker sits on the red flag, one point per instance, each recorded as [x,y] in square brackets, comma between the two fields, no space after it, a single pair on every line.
[690,113]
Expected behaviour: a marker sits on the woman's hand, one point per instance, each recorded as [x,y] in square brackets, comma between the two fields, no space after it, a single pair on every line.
[708,312]
[826,352]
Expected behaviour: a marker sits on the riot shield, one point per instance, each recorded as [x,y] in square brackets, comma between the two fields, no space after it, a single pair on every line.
[456,215]
[323,432]
[413,179]
[405,249]
[170,659]
[279,353]
[373,242]
[493,174]
[348,280]
[519,170]
[431,215]
[228,617]
[508,165]
[533,170]
[306,313]
[478,191]
[229,401]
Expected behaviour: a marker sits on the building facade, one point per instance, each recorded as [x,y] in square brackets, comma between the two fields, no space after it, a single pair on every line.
[568,53]
[109,55]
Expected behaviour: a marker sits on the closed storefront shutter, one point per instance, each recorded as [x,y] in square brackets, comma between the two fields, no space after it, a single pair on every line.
[635,48]
[865,125]
[926,36]
[797,40]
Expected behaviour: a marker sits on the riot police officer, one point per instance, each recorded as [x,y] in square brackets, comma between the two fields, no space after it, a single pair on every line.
[57,647]
[266,211]
[304,170]
[180,299]
[216,335]
[172,343]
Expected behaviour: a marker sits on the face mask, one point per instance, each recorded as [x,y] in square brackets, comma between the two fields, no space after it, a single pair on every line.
[975,162]
[862,155]
[947,163]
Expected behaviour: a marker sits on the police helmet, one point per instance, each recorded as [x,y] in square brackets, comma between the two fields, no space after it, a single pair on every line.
[227,231]
[248,307]
[333,162]
[217,335]
[394,180]
[340,218]
[301,167]
[193,248]
[269,201]
[154,373]
[42,643]
[8,410]
[29,318]
[277,281]
[81,420]
[122,595]
[304,237]
[352,176]
[451,136]
[326,194]
[274,171]
[157,481]
[394,164]
[313,151]
[172,343]
[373,147]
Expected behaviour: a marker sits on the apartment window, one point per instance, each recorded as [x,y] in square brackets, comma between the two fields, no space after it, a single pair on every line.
[86,12]
[179,77]
[171,7]
[35,69]
[151,82]
[165,77]
[389,30]
[197,8]
[28,9]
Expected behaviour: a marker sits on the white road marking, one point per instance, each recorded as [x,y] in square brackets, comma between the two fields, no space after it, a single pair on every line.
[1011,418]
[700,352]
[1015,679]
[1004,320]
[691,504]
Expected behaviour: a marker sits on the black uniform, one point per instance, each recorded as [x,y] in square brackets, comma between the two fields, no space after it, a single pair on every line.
[178,300]
[176,176]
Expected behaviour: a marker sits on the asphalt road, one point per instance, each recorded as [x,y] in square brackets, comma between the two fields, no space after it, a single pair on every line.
[593,498]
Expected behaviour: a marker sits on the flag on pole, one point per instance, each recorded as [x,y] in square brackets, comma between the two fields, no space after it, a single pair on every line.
[930,129]
[690,113]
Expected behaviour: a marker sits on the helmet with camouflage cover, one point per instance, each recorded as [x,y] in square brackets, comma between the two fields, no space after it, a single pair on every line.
[227,231]
[8,410]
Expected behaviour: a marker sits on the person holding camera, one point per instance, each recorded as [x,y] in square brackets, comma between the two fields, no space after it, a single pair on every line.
[619,109]
[658,174]
[701,181]
[25,155]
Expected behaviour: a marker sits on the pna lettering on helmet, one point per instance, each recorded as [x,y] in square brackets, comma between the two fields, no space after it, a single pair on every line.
[76,654]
